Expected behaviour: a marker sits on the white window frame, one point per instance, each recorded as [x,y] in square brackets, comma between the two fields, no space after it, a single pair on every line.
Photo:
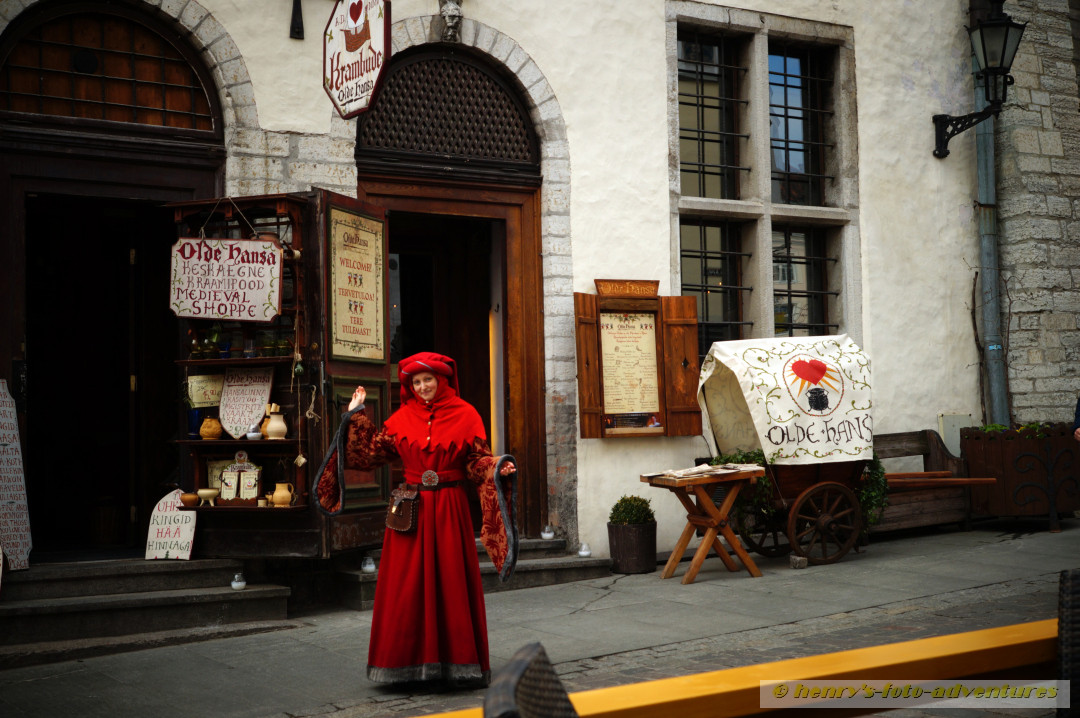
[839,216]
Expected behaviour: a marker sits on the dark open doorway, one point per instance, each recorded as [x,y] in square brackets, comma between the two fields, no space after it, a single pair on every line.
[102,388]
[446,296]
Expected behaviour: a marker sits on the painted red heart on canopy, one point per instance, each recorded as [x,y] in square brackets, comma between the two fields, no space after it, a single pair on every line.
[355,9]
[810,371]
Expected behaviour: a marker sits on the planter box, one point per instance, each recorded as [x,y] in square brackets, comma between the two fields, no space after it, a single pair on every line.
[633,547]
[1036,476]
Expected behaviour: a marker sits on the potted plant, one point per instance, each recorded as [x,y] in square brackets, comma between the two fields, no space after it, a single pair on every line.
[632,535]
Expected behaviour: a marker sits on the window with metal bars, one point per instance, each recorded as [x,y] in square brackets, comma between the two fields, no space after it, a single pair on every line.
[799,85]
[99,66]
[709,97]
[800,282]
[712,259]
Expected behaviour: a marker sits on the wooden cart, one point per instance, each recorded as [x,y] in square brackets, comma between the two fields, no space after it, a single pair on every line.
[814,512]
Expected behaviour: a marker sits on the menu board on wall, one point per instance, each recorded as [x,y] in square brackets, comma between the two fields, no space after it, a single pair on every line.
[14,515]
[628,357]
[227,279]
[244,396]
[357,292]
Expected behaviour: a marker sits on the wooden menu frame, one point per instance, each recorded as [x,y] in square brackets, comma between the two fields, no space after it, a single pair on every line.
[356,285]
[652,341]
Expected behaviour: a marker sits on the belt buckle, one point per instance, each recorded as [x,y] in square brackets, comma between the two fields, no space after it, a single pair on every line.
[429,478]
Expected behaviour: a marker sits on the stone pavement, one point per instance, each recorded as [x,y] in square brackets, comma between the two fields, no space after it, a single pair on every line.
[600,632]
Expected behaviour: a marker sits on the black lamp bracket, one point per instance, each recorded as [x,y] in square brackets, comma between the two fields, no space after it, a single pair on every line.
[946,127]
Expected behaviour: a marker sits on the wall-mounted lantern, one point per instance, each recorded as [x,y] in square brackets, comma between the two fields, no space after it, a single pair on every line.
[994,41]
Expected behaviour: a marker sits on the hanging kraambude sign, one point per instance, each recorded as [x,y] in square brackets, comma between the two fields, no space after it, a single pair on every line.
[801,400]
[356,52]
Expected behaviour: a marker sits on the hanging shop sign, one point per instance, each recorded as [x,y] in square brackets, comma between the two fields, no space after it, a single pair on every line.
[357,294]
[14,516]
[356,53]
[244,396]
[172,531]
[226,279]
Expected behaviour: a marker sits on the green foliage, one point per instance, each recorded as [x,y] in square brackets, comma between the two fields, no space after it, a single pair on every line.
[1031,430]
[874,492]
[631,510]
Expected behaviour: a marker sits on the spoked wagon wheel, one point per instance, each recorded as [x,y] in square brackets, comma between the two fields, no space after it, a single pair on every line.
[763,533]
[824,522]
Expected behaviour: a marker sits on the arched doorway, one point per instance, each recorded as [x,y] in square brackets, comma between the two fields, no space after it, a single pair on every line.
[450,151]
[105,116]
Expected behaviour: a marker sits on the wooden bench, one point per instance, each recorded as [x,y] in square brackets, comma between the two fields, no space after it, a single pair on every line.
[939,494]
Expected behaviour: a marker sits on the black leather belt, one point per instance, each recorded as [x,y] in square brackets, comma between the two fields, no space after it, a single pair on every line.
[436,487]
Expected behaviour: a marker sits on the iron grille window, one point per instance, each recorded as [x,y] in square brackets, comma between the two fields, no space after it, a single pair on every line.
[103,67]
[709,89]
[712,271]
[800,288]
[799,86]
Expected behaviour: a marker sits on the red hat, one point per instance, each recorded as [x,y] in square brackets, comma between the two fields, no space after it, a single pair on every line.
[425,362]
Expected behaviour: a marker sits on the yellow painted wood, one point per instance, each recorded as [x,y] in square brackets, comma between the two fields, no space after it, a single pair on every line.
[735,691]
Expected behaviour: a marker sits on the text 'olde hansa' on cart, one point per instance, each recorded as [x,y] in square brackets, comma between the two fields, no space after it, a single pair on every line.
[806,403]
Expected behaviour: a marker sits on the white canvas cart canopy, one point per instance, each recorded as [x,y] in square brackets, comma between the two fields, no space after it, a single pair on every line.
[801,400]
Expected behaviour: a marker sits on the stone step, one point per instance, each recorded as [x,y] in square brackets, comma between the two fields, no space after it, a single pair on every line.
[357,589]
[32,654]
[96,578]
[79,617]
[528,549]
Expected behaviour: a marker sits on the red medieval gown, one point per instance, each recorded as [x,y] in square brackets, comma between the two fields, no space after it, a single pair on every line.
[429,619]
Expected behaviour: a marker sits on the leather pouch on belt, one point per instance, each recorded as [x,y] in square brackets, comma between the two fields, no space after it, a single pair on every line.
[401,513]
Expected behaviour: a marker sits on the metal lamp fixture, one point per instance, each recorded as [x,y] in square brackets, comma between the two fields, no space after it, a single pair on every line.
[994,42]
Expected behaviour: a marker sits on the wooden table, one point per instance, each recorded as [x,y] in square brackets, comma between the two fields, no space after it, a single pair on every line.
[707,515]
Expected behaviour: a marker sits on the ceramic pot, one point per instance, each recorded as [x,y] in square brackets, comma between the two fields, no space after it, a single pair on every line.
[283,495]
[211,428]
[189,499]
[276,429]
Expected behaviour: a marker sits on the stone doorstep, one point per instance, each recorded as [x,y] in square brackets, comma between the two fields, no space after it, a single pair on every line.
[143,599]
[94,578]
[31,654]
[116,567]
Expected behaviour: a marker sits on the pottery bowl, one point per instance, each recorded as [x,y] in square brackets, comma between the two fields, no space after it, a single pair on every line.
[208,495]
[189,499]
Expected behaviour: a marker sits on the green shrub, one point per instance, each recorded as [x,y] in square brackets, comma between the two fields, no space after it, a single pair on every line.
[631,510]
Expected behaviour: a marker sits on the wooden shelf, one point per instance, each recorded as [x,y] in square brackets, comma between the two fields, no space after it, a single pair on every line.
[237,443]
[259,509]
[254,361]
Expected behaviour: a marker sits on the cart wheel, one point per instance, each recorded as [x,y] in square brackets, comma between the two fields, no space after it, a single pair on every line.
[824,522]
[763,533]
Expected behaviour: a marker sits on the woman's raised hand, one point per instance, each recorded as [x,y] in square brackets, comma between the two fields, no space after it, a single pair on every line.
[358,397]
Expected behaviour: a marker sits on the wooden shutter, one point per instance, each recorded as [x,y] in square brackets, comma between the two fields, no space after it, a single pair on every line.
[590,399]
[679,317]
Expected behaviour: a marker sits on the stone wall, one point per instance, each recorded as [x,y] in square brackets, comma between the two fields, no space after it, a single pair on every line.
[1038,166]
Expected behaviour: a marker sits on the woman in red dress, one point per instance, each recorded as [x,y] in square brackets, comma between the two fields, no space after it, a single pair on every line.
[429,621]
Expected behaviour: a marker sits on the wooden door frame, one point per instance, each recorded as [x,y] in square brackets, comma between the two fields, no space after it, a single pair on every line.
[523,353]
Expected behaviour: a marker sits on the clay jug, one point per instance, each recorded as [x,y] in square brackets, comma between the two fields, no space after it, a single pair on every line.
[211,428]
[276,429]
[283,494]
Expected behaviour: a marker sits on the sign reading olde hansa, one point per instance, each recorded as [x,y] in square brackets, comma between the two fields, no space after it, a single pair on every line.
[357,295]
[356,51]
[226,279]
